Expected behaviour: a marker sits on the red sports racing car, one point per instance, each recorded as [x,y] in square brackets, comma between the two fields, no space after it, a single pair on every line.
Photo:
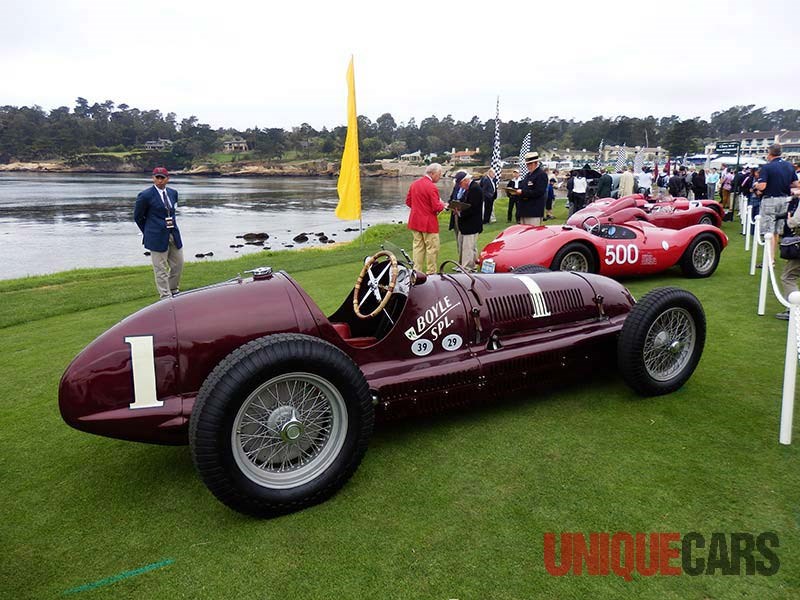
[615,250]
[671,214]
[277,400]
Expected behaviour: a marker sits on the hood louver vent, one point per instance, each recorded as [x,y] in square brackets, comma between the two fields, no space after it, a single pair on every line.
[517,307]
[562,301]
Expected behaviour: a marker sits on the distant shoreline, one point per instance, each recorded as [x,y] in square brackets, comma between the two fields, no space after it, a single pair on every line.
[311,168]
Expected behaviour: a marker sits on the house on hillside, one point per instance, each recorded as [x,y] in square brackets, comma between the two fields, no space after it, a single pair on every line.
[412,157]
[235,145]
[464,156]
[159,144]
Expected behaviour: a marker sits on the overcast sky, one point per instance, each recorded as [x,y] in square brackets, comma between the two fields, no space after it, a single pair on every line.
[267,64]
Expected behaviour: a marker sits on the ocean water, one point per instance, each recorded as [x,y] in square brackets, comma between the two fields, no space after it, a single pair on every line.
[55,222]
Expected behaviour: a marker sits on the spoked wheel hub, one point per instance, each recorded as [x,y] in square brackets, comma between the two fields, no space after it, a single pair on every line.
[289,430]
[285,423]
[669,344]
[703,256]
[575,261]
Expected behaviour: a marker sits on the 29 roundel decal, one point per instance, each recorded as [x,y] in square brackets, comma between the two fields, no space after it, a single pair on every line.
[452,342]
[622,254]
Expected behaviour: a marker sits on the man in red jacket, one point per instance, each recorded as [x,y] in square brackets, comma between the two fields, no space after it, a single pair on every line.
[423,199]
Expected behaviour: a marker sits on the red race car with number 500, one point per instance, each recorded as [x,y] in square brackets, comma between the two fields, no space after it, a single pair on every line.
[615,250]
[277,400]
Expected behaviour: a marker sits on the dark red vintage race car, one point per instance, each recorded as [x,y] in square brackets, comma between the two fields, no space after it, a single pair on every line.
[615,250]
[671,214]
[277,400]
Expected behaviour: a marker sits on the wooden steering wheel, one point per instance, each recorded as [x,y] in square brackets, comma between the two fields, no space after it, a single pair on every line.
[374,287]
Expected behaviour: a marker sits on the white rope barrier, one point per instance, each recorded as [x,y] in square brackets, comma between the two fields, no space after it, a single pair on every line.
[771,271]
[756,243]
[766,268]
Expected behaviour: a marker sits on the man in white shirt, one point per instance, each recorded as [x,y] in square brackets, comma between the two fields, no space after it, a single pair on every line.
[645,182]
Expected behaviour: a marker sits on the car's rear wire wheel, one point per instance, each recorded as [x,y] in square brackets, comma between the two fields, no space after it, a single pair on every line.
[706,220]
[574,257]
[661,341]
[701,257]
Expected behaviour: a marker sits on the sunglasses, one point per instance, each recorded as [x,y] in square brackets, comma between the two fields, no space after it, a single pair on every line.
[160,177]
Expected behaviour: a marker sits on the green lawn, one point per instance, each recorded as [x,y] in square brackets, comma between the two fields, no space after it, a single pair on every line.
[451,507]
[226,157]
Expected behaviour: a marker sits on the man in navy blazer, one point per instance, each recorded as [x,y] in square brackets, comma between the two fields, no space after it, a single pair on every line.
[154,213]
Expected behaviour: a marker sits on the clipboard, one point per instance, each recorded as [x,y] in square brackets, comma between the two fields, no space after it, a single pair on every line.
[458,205]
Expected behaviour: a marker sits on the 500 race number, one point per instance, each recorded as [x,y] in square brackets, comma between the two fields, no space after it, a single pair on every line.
[622,254]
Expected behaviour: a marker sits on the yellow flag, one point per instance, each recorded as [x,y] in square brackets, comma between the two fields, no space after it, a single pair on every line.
[349,186]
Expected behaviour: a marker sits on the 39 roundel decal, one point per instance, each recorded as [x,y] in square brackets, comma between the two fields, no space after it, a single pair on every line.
[422,347]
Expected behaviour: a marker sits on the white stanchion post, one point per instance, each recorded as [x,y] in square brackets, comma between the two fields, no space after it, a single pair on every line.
[789,372]
[743,217]
[748,215]
[756,243]
[765,265]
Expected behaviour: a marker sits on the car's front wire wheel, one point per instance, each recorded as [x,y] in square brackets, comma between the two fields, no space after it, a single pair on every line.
[280,424]
[661,341]
[574,257]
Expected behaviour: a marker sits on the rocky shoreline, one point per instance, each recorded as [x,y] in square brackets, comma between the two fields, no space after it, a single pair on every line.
[315,168]
[310,168]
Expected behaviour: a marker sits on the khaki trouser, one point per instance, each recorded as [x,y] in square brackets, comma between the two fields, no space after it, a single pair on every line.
[531,221]
[790,275]
[167,267]
[425,251]
[467,250]
[726,198]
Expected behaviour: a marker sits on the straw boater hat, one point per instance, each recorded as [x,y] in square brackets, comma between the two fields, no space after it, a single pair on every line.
[531,157]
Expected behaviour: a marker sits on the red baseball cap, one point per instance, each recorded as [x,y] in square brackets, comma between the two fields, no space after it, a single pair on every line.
[160,171]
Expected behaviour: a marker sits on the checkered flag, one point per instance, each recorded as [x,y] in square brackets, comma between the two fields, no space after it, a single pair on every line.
[524,149]
[599,162]
[622,158]
[638,161]
[496,163]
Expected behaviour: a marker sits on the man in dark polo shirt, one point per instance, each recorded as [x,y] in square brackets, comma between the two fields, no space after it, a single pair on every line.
[776,178]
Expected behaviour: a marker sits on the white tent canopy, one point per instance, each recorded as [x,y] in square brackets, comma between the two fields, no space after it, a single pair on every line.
[731,161]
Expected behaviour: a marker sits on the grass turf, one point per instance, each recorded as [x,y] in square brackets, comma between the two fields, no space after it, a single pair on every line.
[451,507]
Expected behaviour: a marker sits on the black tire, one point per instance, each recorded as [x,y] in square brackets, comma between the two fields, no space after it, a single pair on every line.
[701,257]
[661,341]
[706,220]
[574,254]
[330,418]
[530,269]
